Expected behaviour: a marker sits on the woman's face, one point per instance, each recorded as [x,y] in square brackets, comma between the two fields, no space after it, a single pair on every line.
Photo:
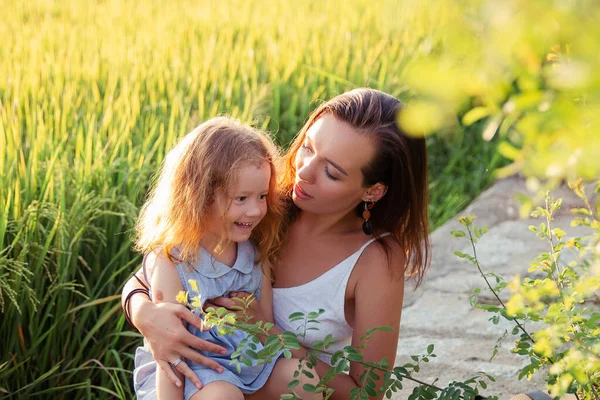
[328,167]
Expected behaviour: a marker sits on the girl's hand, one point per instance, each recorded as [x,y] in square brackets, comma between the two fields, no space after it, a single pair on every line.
[163,327]
[254,311]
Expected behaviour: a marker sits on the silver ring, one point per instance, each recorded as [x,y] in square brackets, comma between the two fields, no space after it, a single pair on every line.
[175,363]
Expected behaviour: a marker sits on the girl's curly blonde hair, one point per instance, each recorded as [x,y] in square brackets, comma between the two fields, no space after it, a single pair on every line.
[195,174]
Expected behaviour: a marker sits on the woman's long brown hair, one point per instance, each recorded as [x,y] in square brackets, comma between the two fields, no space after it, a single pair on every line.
[400,163]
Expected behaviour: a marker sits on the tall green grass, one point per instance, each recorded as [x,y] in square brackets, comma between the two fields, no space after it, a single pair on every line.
[92,95]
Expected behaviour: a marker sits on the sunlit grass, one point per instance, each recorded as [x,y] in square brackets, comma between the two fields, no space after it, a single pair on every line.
[92,94]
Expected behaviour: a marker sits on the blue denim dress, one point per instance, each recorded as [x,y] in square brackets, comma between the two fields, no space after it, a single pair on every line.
[214,279]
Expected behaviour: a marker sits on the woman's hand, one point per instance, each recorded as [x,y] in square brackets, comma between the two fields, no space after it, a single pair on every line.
[163,327]
[254,310]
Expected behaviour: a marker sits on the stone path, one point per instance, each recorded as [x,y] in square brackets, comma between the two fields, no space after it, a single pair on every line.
[439,312]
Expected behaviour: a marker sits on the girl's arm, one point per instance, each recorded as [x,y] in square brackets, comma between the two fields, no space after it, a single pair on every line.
[165,284]
[167,338]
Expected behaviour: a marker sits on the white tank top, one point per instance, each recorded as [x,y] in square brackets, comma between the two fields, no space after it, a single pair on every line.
[325,292]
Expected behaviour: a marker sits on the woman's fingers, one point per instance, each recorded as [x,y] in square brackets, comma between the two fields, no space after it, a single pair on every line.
[201,344]
[188,316]
[221,302]
[191,375]
[193,355]
[241,295]
[165,367]
[208,304]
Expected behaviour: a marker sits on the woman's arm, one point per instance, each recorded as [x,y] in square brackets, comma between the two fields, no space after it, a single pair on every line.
[378,298]
[266,299]
[166,337]
[135,293]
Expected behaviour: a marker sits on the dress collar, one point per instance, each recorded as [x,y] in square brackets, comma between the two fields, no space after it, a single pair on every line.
[211,268]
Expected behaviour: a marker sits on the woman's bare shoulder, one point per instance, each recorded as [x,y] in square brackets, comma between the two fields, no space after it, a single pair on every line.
[384,258]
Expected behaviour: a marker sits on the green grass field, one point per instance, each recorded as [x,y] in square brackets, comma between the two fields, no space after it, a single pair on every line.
[92,95]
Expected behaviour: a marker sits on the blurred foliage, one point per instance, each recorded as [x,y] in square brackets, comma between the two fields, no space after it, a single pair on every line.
[528,69]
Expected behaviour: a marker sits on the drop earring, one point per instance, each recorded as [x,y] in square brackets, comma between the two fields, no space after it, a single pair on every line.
[367,226]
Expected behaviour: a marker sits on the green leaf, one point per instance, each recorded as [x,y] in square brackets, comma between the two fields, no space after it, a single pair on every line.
[296,316]
[373,375]
[461,254]
[370,391]
[315,314]
[382,328]
[340,367]
[246,361]
[581,211]
[268,325]
[309,388]
[308,373]
[221,311]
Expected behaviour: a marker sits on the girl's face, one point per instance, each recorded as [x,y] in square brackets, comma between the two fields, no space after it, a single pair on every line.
[244,206]
[329,178]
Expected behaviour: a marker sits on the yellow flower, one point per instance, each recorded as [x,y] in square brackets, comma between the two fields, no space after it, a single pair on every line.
[194,285]
[515,305]
[196,302]
[182,298]
[542,346]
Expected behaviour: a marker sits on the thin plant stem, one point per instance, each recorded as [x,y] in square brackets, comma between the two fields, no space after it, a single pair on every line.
[593,387]
[551,240]
[490,286]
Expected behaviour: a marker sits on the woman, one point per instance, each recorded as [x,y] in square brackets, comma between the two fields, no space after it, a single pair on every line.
[356,225]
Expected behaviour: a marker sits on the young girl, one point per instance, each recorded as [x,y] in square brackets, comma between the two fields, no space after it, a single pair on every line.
[212,220]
